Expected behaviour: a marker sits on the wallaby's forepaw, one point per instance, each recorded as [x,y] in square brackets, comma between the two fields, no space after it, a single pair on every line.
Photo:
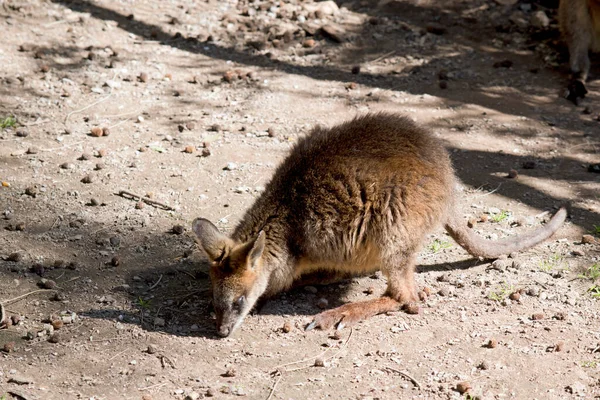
[352,313]
[576,91]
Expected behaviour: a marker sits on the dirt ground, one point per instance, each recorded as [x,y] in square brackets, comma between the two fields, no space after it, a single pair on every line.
[108,298]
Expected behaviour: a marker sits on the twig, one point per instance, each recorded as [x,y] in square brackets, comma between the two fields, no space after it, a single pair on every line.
[153,386]
[21,297]
[490,192]
[119,123]
[124,193]
[118,354]
[156,284]
[407,376]
[86,107]
[37,122]
[2,315]
[382,57]
[278,368]
[64,146]
[275,386]
[343,346]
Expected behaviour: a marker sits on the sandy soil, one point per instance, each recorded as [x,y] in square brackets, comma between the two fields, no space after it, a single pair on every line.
[201,101]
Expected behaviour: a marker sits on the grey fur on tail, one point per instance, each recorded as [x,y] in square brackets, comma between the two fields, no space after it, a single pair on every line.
[480,247]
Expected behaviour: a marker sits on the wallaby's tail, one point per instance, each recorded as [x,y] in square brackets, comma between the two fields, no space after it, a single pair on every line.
[479,247]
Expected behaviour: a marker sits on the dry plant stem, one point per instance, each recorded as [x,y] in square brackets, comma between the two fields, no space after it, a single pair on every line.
[124,193]
[21,297]
[153,386]
[275,386]
[156,284]
[407,376]
[86,107]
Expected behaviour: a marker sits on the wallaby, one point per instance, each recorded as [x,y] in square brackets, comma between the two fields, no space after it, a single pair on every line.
[353,199]
[580,26]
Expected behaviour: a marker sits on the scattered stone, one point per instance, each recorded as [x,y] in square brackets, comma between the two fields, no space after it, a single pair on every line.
[560,346]
[143,77]
[484,365]
[15,319]
[230,373]
[436,29]
[537,316]
[331,33]
[47,283]
[560,316]
[99,166]
[533,291]
[271,132]
[308,43]
[311,289]
[539,20]
[229,76]
[115,261]
[22,133]
[463,387]
[139,205]
[319,362]
[369,290]
[422,295]
[594,167]
[85,157]
[499,265]
[515,296]
[412,308]
[32,150]
[67,165]
[529,164]
[57,323]
[356,70]
[87,179]
[190,125]
[206,152]
[210,392]
[492,344]
[588,239]
[178,229]
[484,218]
[96,131]
[444,292]
[94,202]
[189,149]
[159,321]
[15,257]
[20,380]
[54,338]
[102,153]
[322,303]
[472,222]
[503,64]
[152,349]
[8,347]
[512,174]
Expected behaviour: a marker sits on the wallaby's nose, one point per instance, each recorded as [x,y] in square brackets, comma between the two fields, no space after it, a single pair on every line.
[223,331]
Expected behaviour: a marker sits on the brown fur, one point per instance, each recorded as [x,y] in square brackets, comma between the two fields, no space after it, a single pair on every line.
[353,199]
[580,26]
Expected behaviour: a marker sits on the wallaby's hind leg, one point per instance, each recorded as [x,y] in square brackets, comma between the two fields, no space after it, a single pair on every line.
[400,292]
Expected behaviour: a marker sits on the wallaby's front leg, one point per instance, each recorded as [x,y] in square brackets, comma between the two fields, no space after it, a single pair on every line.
[401,292]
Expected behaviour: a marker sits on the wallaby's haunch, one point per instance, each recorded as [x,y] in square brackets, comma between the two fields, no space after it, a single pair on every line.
[353,199]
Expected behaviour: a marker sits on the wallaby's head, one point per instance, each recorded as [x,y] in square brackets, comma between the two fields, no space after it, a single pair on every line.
[235,273]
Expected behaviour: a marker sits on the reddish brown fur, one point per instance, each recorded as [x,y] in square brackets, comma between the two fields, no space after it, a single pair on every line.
[352,199]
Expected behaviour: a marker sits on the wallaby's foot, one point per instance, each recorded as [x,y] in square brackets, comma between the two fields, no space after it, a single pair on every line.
[576,90]
[351,313]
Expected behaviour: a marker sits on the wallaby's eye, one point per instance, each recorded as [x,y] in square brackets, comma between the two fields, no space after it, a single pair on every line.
[239,303]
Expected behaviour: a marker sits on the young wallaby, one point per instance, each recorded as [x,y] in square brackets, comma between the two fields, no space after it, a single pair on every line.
[353,199]
[580,26]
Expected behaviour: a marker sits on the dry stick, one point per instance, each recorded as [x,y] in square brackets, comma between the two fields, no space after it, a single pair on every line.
[86,107]
[407,376]
[10,301]
[382,57]
[274,386]
[156,284]
[2,315]
[153,386]
[118,354]
[123,193]
[488,193]
[37,122]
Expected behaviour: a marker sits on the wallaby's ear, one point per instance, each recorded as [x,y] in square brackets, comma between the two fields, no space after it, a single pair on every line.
[215,244]
[253,250]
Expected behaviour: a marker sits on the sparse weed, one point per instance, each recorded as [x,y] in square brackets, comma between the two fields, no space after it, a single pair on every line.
[556,261]
[596,230]
[502,292]
[501,216]
[592,273]
[438,245]
[594,291]
[589,364]
[143,303]
[8,122]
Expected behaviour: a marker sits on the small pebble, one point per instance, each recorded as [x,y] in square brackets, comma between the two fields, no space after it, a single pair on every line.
[94,202]
[102,153]
[560,346]
[444,292]
[492,344]
[67,165]
[472,222]
[512,174]
[319,362]
[287,327]
[206,152]
[443,84]
[190,125]
[463,387]
[560,316]
[115,261]
[499,265]
[537,316]
[178,229]
[99,166]
[54,338]
[152,349]
[8,347]
[515,296]
[57,323]
[96,131]
[47,283]
[588,239]
[44,68]
[427,291]
[15,319]
[422,296]
[22,133]
[210,392]
[139,205]
[15,257]
[484,365]
[189,149]
[370,290]
[271,132]
[484,218]
[87,179]
[412,309]
[143,77]
[529,164]
[308,43]
[310,289]
[230,373]
[32,150]
[31,191]
[356,69]
[85,156]
[322,303]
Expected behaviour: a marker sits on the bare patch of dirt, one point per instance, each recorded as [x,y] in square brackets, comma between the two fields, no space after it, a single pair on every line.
[192,105]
